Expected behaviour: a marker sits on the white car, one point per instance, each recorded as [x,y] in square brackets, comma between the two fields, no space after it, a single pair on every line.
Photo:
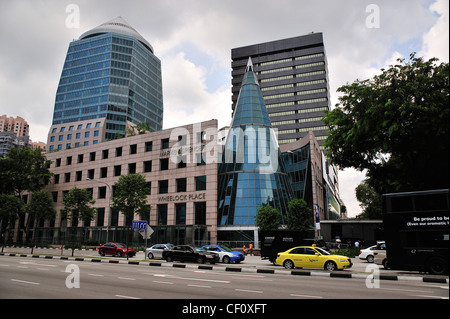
[367,254]
[156,250]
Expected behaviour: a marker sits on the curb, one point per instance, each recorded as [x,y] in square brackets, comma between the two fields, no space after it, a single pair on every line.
[240,269]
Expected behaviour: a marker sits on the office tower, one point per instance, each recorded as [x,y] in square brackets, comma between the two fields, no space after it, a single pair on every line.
[293,78]
[251,172]
[110,78]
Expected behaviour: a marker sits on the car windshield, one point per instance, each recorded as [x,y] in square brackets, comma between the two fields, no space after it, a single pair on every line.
[121,245]
[197,248]
[224,248]
[322,251]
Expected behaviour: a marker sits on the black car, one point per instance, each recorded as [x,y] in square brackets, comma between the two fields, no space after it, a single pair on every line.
[190,253]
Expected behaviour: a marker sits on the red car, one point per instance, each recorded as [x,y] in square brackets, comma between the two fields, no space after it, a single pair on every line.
[115,249]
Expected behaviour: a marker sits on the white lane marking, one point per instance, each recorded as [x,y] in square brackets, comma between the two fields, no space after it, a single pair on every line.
[163,282]
[250,291]
[96,275]
[25,282]
[194,279]
[306,296]
[127,297]
[199,286]
[125,278]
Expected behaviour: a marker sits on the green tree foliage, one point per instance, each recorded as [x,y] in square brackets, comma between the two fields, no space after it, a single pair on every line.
[267,218]
[41,206]
[370,201]
[395,126]
[77,204]
[24,170]
[130,195]
[300,216]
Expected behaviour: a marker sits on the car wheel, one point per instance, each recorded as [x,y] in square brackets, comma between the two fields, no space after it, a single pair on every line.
[385,263]
[370,258]
[169,259]
[101,253]
[330,266]
[119,254]
[226,259]
[150,256]
[288,264]
[200,260]
[436,266]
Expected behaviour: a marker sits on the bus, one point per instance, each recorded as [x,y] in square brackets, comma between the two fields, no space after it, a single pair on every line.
[416,229]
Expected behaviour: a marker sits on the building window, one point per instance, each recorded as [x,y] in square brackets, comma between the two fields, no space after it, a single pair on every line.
[78,136]
[91,173]
[100,216]
[96,133]
[200,213]
[86,134]
[80,158]
[92,156]
[164,143]
[79,176]
[118,151]
[52,139]
[102,192]
[58,162]
[181,184]
[181,162]
[149,188]
[180,214]
[163,186]
[61,137]
[103,172]
[56,179]
[147,166]
[105,154]
[69,160]
[117,170]
[163,164]
[200,183]
[162,214]
[133,149]
[132,168]
[148,146]
[67,177]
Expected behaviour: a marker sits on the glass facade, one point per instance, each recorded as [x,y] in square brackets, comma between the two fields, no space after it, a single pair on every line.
[251,172]
[113,75]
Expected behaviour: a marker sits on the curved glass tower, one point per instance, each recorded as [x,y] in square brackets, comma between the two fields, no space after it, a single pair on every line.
[110,72]
[251,172]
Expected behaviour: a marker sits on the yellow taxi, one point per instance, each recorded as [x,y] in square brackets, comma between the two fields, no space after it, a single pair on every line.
[312,257]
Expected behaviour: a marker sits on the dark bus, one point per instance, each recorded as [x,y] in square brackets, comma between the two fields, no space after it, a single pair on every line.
[416,228]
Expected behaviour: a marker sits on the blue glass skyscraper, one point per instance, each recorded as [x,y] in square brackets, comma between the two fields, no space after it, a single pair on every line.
[251,172]
[110,72]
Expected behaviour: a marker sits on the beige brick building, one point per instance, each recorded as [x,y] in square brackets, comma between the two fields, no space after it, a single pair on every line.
[182,185]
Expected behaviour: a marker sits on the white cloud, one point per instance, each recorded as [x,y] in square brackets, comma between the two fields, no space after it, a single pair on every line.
[186,99]
[436,40]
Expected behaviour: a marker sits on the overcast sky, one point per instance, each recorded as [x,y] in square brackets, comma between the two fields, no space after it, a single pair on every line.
[194,38]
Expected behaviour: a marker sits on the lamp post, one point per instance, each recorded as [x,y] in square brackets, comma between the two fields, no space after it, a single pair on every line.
[109,201]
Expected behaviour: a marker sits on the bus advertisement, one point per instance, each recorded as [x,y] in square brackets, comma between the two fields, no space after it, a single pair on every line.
[416,228]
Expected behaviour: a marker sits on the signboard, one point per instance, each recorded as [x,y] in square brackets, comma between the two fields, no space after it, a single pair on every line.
[139,224]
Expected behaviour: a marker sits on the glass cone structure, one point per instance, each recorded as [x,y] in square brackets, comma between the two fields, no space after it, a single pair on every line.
[251,172]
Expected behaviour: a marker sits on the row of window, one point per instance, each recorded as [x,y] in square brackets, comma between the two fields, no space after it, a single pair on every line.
[71,127]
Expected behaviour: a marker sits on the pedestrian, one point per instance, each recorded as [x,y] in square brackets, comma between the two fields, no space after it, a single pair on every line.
[244,250]
[357,243]
[251,249]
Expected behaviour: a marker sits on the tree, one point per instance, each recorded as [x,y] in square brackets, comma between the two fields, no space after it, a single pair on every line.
[267,218]
[300,216]
[395,126]
[24,170]
[130,195]
[370,201]
[10,207]
[77,205]
[41,206]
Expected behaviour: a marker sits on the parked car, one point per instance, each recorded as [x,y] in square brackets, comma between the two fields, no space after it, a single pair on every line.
[226,255]
[312,257]
[116,249]
[367,253]
[156,251]
[380,256]
[190,253]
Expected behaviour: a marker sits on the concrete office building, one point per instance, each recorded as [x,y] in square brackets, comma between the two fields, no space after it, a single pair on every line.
[293,77]
[112,77]
[182,186]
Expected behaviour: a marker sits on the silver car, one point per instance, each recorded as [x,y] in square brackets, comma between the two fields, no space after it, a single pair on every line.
[156,251]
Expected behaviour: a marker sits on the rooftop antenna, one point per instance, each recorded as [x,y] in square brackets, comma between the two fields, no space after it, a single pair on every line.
[249,65]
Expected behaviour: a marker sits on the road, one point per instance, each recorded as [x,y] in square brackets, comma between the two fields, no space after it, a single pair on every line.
[46,278]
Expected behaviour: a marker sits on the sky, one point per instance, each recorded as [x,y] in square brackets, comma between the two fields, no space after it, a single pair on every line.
[193,39]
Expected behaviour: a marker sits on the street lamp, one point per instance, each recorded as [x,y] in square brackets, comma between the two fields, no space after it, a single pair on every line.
[109,200]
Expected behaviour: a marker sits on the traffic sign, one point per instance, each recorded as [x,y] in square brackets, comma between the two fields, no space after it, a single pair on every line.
[139,224]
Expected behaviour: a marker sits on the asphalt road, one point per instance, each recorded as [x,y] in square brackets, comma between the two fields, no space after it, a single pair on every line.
[47,278]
